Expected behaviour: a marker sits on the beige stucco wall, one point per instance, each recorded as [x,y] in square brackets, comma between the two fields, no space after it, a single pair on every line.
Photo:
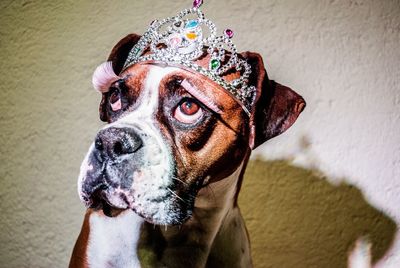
[342,56]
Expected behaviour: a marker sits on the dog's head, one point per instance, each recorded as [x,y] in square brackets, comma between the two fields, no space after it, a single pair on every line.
[172,130]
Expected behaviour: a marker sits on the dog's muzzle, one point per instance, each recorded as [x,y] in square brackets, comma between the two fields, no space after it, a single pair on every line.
[132,167]
[111,166]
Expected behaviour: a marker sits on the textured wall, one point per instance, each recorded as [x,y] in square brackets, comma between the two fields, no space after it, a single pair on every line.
[342,56]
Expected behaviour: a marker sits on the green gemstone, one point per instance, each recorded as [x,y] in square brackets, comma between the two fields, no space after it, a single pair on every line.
[215,64]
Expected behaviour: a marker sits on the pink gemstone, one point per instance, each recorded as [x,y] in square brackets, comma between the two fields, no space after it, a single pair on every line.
[229,33]
[197,3]
[175,41]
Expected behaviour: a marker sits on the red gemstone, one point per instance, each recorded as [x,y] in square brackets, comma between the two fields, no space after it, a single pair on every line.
[197,3]
[229,33]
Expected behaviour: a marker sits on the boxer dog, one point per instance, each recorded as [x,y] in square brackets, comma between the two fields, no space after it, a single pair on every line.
[161,179]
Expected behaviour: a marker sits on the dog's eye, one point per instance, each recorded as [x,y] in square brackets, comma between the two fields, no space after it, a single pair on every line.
[115,96]
[115,99]
[188,111]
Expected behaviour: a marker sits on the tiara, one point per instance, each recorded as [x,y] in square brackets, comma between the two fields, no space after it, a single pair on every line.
[181,40]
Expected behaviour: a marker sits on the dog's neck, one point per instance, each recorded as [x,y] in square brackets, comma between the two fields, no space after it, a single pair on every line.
[126,239]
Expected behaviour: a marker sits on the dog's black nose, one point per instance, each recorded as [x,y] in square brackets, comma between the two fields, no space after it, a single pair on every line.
[117,141]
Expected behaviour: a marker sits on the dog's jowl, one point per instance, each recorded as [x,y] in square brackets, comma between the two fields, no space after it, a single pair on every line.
[161,179]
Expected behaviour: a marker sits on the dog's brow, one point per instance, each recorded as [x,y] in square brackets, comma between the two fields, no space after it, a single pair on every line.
[120,84]
[126,77]
[197,94]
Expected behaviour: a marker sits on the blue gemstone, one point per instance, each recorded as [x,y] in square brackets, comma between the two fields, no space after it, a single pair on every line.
[192,24]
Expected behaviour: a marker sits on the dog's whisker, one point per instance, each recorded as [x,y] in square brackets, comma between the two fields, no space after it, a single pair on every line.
[183,182]
[177,196]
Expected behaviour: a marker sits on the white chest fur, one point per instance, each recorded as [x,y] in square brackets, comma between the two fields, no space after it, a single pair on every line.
[113,241]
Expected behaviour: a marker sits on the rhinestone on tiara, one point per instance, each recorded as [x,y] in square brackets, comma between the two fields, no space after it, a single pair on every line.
[181,40]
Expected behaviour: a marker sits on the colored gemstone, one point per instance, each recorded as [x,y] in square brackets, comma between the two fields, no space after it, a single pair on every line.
[191,36]
[229,33]
[197,3]
[192,24]
[175,41]
[215,64]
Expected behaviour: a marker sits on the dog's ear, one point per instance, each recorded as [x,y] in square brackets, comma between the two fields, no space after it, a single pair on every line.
[276,106]
[118,55]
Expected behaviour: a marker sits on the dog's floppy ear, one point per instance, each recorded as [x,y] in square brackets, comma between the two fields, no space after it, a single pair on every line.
[276,106]
[117,56]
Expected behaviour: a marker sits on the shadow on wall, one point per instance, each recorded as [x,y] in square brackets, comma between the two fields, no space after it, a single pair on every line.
[298,219]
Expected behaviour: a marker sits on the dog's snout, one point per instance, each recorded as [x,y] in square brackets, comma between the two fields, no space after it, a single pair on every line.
[117,142]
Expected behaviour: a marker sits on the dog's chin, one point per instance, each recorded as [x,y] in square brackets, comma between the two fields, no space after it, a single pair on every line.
[177,219]
[111,211]
[113,207]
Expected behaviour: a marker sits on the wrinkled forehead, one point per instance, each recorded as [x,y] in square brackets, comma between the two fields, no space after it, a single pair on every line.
[157,77]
